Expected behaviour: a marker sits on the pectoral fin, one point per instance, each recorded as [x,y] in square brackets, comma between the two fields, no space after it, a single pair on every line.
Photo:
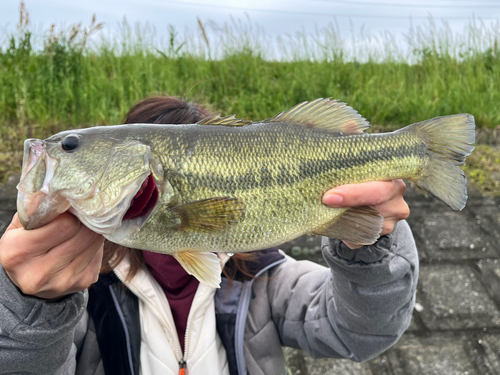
[204,266]
[360,225]
[208,215]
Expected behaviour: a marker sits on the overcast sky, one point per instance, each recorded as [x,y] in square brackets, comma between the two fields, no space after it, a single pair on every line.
[276,17]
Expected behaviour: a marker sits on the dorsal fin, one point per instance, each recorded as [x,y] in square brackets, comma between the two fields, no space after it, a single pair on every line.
[226,121]
[325,114]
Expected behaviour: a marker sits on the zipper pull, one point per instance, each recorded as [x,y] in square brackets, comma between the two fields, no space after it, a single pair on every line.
[182,365]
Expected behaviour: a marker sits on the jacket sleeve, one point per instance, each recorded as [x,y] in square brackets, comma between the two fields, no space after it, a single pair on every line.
[356,309]
[37,336]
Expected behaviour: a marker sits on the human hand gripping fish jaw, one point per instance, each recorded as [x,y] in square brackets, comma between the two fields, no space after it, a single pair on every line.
[224,183]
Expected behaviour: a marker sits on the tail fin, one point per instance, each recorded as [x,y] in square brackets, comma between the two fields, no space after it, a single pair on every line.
[449,140]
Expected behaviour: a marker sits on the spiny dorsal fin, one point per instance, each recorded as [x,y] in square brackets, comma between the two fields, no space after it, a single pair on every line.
[226,121]
[325,114]
[208,215]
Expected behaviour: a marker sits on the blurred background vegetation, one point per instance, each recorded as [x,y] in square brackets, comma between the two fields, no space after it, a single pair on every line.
[84,76]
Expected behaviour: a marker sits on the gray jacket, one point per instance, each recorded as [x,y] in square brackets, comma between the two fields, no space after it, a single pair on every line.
[356,309]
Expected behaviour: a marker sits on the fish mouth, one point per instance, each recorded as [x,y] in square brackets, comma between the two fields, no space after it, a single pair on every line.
[144,200]
[35,206]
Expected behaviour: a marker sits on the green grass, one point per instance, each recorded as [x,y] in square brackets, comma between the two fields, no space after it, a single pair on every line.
[64,85]
[80,77]
[483,169]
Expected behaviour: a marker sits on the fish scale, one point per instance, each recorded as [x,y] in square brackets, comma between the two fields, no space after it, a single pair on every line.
[230,185]
[306,184]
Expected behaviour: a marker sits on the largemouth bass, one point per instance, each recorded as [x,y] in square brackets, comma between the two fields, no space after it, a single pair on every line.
[229,185]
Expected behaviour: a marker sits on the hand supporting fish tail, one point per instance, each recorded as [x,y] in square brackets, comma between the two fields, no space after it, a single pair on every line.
[385,196]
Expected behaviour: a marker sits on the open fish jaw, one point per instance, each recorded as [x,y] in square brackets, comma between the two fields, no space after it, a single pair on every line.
[99,201]
[35,206]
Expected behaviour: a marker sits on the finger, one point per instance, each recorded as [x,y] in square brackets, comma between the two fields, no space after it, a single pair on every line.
[18,255]
[35,274]
[82,261]
[14,224]
[82,281]
[38,241]
[77,276]
[387,228]
[364,194]
[395,208]
[72,249]
[96,264]
[395,211]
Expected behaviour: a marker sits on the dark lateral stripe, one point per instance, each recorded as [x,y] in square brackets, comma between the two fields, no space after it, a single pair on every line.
[307,169]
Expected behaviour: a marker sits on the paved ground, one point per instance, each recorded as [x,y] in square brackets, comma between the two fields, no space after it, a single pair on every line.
[456,322]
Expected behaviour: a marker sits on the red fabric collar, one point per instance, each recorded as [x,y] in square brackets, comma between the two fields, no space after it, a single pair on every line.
[178,285]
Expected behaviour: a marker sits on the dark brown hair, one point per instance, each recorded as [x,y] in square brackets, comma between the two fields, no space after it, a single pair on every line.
[167,110]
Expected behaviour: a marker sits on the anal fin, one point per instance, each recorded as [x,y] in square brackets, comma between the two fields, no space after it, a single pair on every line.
[202,265]
[359,225]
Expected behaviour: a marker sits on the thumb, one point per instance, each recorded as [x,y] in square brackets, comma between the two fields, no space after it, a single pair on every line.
[363,194]
[14,224]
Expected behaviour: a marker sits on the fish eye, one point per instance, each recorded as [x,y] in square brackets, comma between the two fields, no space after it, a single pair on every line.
[70,143]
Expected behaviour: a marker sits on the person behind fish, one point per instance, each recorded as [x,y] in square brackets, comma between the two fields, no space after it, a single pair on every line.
[72,303]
